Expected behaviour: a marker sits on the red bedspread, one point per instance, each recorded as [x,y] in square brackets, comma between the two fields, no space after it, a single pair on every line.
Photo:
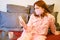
[49,36]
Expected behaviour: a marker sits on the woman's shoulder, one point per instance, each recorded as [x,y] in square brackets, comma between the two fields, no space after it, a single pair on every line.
[50,16]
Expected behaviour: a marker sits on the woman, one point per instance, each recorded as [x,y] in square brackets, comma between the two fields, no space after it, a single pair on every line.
[39,23]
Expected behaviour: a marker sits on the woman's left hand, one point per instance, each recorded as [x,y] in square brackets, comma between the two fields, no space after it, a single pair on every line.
[57,32]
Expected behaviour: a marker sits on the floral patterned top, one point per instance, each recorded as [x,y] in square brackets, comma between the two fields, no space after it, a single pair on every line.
[40,26]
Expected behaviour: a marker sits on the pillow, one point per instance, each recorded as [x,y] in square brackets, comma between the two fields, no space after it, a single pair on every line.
[55,15]
[10,21]
[51,8]
[31,9]
[24,16]
[17,8]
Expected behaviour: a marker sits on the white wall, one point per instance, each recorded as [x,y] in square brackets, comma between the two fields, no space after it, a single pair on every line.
[3,4]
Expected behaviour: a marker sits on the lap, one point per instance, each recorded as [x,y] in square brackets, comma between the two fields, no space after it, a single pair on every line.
[39,37]
[25,36]
[28,36]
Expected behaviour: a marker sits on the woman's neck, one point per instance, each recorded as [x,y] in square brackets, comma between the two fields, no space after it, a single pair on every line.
[41,16]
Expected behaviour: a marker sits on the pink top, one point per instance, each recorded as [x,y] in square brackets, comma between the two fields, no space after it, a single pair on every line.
[40,26]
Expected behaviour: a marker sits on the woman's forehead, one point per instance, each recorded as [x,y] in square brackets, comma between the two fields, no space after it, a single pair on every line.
[36,6]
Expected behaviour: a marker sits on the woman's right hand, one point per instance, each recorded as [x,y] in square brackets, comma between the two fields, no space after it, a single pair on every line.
[21,21]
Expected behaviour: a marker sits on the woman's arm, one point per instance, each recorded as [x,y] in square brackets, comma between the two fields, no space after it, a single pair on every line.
[27,26]
[53,27]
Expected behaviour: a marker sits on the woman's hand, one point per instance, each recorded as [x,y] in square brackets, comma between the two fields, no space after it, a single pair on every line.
[57,32]
[21,21]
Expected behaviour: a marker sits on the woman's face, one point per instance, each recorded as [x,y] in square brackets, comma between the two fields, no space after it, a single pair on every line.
[38,10]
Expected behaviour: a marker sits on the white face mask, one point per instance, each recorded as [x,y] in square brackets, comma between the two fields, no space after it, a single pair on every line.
[38,10]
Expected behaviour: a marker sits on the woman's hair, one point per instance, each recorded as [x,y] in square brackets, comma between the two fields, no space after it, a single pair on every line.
[43,5]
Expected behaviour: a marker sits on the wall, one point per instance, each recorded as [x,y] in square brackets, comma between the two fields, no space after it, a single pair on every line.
[3,3]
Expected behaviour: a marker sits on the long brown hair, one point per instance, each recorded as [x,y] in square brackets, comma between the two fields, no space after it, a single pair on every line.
[43,5]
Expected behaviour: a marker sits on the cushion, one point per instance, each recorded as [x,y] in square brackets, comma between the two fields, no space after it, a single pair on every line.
[31,9]
[17,8]
[55,15]
[51,8]
[10,21]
